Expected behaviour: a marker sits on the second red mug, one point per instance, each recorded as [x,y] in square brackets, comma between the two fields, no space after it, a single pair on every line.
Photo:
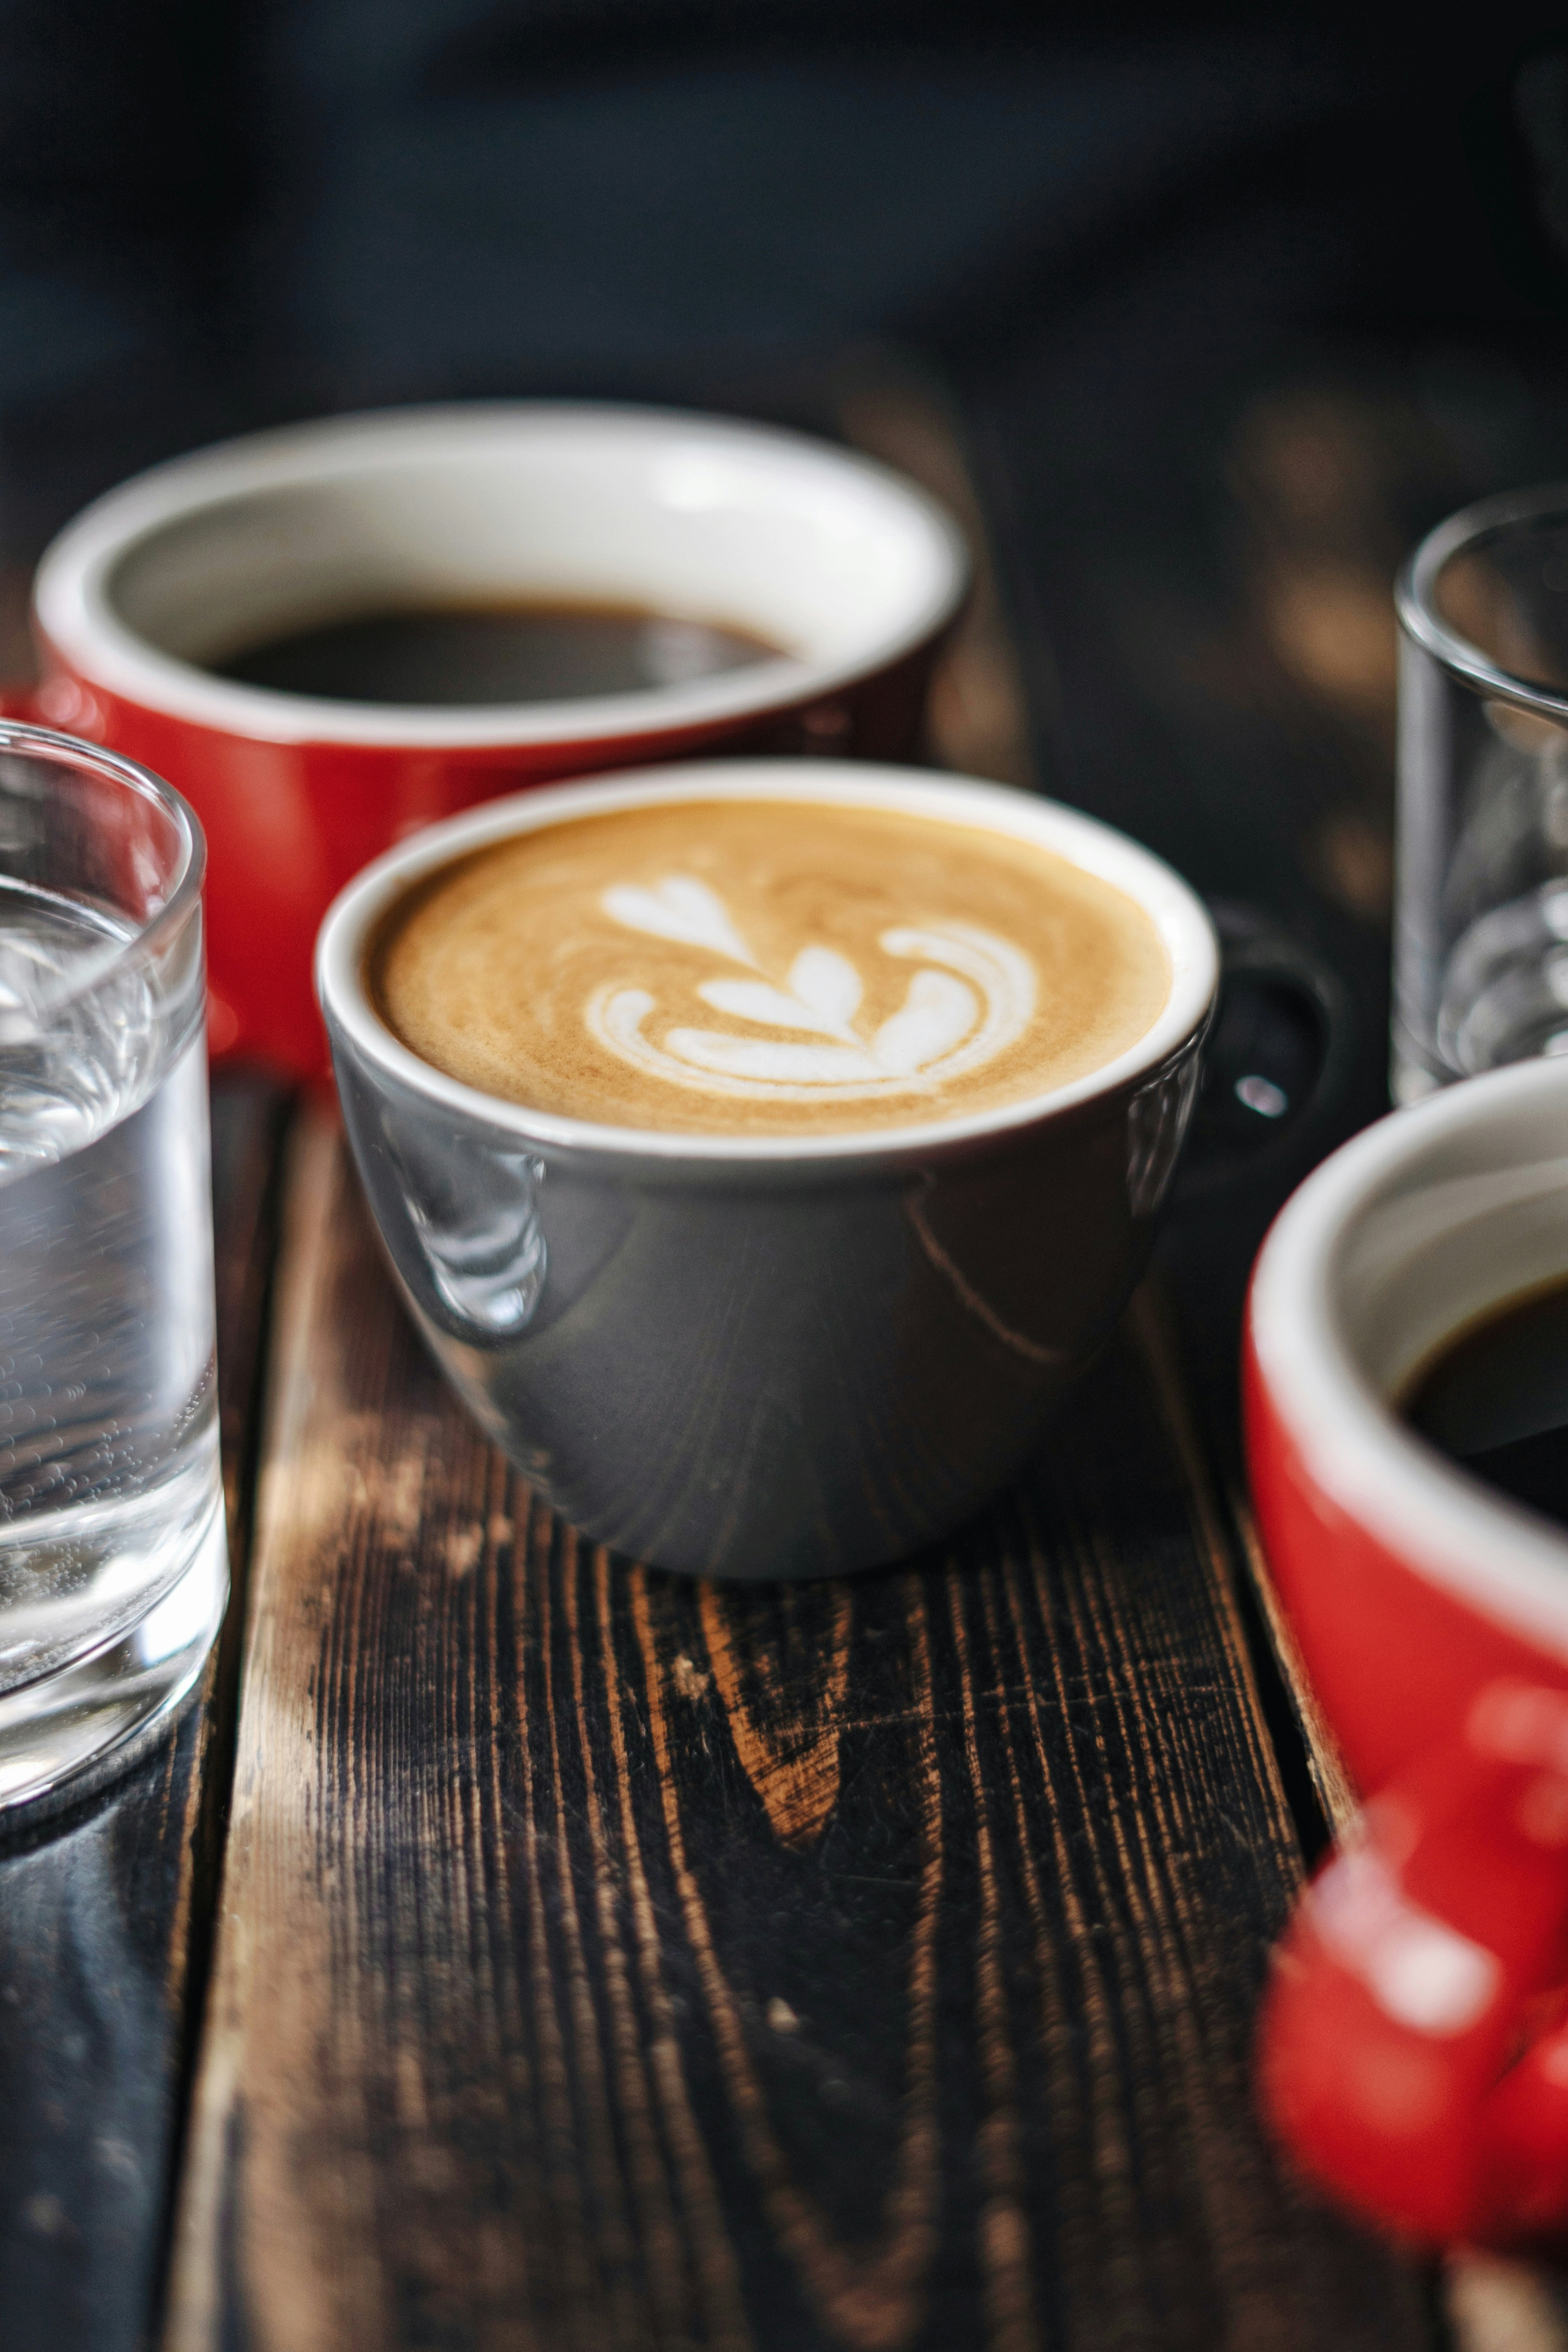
[1413,2043]
[850,572]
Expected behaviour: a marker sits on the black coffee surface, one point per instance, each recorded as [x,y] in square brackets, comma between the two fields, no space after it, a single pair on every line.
[1495,1398]
[494,654]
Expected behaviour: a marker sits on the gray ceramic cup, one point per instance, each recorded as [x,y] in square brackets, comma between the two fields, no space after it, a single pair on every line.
[767,1357]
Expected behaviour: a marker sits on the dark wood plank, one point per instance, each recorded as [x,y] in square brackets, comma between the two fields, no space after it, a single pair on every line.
[611,1960]
[1203,557]
[105,1913]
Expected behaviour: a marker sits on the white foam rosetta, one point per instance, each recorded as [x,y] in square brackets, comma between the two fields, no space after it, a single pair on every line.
[971,999]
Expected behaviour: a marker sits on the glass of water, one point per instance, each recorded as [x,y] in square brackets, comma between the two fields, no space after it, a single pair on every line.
[113,1557]
[1481,919]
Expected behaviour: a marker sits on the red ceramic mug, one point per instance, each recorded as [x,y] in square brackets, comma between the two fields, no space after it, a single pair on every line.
[1414,2041]
[849,569]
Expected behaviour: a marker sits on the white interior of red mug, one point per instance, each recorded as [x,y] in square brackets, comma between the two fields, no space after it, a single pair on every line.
[841,564]
[1426,1221]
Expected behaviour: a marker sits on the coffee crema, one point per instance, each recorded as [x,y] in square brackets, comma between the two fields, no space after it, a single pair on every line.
[766,968]
[449,656]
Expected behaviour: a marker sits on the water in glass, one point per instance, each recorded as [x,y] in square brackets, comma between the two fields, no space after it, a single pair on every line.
[109,1465]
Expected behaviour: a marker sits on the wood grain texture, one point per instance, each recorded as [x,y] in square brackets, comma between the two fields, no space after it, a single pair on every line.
[105,1913]
[610,1960]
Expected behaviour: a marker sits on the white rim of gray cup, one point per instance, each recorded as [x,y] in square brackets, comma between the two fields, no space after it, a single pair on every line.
[814,547]
[1178,916]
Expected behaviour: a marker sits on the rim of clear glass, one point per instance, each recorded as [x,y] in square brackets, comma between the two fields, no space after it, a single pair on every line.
[1422,622]
[18,739]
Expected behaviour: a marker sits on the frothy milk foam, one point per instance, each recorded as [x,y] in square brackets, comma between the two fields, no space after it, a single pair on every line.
[766,968]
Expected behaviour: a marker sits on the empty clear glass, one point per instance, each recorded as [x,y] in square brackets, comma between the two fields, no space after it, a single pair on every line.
[113,1561]
[1481,926]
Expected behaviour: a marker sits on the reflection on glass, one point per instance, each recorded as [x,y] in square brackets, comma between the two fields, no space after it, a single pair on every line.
[1481,950]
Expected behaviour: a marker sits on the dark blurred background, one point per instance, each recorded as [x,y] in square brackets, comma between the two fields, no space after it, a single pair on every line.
[215,215]
[1214,311]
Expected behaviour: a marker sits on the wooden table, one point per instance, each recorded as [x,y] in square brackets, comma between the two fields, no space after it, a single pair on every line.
[520,1949]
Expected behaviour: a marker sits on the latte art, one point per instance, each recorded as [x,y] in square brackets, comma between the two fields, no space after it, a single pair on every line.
[755,967]
[973,998]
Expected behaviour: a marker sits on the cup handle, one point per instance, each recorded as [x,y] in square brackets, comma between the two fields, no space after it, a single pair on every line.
[1239,1133]
[1422,1959]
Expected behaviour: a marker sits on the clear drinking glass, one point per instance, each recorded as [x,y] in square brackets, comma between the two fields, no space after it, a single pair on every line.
[113,1557]
[1481,924]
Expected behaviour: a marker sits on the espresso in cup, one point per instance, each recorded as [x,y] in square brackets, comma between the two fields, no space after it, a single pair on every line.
[1494,1397]
[766,967]
[452,656]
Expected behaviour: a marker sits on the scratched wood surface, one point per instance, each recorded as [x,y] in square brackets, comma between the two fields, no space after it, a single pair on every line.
[610,1960]
[105,1915]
